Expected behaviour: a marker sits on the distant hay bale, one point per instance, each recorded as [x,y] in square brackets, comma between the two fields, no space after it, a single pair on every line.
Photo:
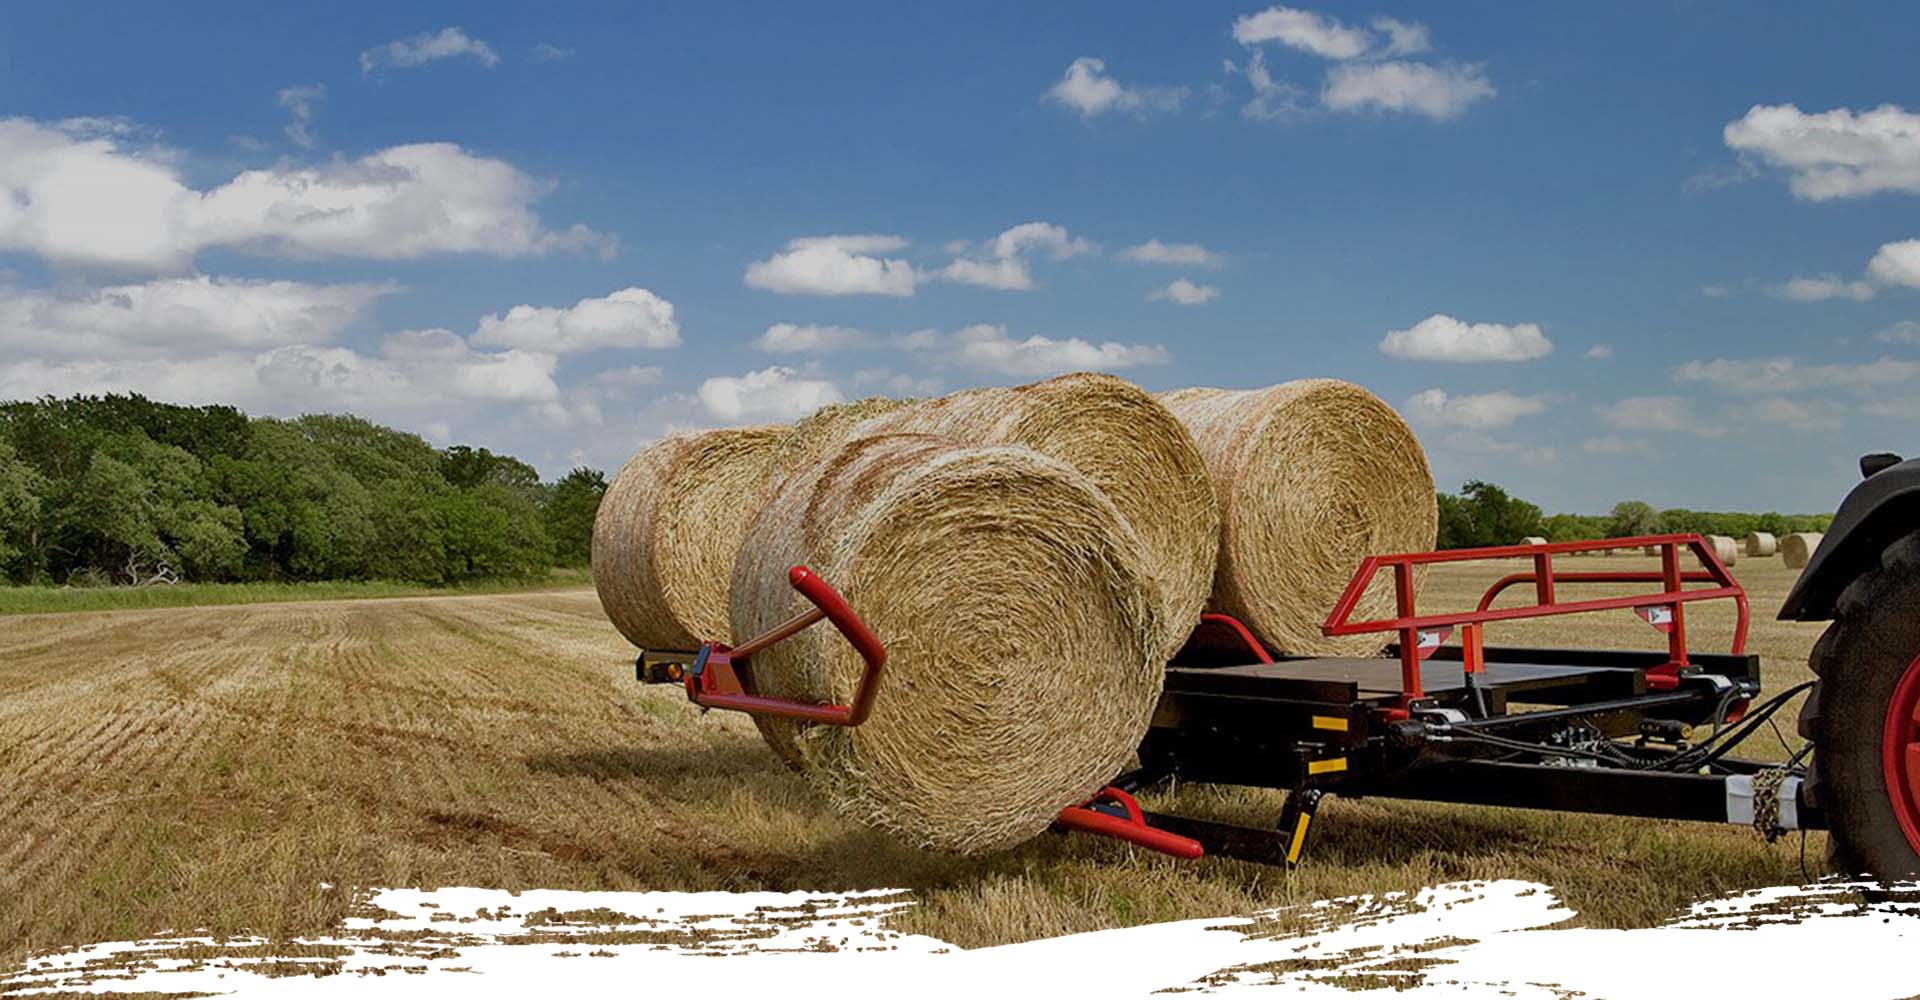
[1533,540]
[1761,544]
[1311,476]
[1724,548]
[1797,548]
[668,529]
[1649,550]
[1019,619]
[1127,443]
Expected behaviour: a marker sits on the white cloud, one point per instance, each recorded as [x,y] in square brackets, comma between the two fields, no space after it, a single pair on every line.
[1272,99]
[548,52]
[511,375]
[806,338]
[897,383]
[774,394]
[1897,264]
[1822,287]
[1087,89]
[1304,30]
[1904,332]
[80,194]
[1438,92]
[1486,411]
[988,348]
[1616,444]
[835,265]
[302,103]
[435,344]
[1179,254]
[179,313]
[1477,441]
[1804,415]
[1002,261]
[447,43]
[1775,375]
[1183,292]
[1657,414]
[1442,338]
[1833,154]
[1599,352]
[1405,37]
[628,318]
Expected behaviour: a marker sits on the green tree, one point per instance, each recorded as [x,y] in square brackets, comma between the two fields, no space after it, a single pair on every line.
[1484,514]
[570,507]
[21,488]
[1631,518]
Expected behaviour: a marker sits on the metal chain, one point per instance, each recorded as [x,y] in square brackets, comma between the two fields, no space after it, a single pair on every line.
[1766,802]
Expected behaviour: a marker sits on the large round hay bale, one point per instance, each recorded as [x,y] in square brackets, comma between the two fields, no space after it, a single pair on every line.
[1312,476]
[668,529]
[1724,548]
[1797,548]
[1019,620]
[1761,544]
[1533,540]
[813,436]
[1127,443]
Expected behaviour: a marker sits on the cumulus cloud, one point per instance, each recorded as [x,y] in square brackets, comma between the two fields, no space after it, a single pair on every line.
[835,265]
[1303,30]
[775,394]
[302,103]
[1183,292]
[1002,262]
[1178,254]
[1833,154]
[1822,287]
[1897,264]
[1904,332]
[1087,89]
[80,194]
[1272,99]
[808,338]
[1777,375]
[1655,413]
[1483,412]
[1438,92]
[628,318]
[179,314]
[987,347]
[1403,37]
[1599,352]
[426,47]
[1442,338]
[1793,414]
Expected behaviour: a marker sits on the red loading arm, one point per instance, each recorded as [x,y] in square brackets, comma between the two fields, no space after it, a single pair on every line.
[1133,828]
[828,604]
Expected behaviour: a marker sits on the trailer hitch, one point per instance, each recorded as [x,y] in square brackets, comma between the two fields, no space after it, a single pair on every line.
[713,680]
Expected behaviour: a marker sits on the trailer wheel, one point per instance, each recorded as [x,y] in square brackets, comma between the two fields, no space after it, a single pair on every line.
[1863,717]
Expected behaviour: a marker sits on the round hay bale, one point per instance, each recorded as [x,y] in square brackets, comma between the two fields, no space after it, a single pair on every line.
[1311,477]
[1761,544]
[1649,550]
[1131,447]
[1019,621]
[1797,548]
[1533,540]
[825,429]
[668,529]
[1724,548]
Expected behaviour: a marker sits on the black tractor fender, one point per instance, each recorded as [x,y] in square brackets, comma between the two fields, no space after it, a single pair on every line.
[1881,510]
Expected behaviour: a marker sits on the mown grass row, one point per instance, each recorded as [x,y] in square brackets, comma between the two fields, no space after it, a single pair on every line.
[48,600]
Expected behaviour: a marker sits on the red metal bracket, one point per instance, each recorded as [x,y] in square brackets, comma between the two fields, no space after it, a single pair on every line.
[713,683]
[1132,828]
[1245,634]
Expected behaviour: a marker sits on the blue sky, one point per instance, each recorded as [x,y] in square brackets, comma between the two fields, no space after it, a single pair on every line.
[1641,250]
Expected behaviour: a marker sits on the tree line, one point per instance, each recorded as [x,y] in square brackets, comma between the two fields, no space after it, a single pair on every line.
[1484,514]
[122,489]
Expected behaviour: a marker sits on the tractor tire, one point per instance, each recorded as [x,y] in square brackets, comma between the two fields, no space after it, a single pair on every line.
[1863,717]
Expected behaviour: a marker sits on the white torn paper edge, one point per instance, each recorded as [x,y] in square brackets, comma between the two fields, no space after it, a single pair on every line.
[1461,939]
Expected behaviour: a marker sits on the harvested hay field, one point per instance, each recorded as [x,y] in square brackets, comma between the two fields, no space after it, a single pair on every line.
[219,767]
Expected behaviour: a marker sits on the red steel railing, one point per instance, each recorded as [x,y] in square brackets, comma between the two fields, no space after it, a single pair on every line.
[1420,634]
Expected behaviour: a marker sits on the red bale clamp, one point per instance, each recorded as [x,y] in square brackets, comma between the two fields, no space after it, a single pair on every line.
[713,679]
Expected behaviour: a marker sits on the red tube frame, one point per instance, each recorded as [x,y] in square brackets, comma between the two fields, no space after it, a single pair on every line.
[1133,829]
[1409,623]
[828,605]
